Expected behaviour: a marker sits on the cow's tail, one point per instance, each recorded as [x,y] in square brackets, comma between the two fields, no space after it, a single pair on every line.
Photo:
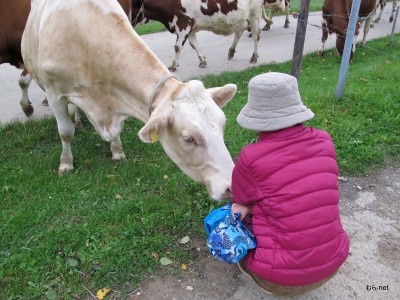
[264,16]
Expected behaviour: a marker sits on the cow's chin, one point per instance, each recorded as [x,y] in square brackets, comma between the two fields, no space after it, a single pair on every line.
[217,188]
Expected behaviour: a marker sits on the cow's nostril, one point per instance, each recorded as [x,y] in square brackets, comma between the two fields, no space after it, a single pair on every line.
[228,192]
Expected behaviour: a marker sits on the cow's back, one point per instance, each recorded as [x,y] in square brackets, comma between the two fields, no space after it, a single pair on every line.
[224,18]
[342,8]
[366,7]
[13,16]
[68,38]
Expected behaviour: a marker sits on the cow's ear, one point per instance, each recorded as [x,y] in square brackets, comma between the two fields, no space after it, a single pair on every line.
[150,131]
[222,95]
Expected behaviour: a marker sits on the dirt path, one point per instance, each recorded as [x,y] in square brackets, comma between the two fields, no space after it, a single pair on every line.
[370,215]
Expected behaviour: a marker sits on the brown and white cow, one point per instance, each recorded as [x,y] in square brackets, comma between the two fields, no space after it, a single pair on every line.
[186,17]
[13,16]
[381,4]
[275,6]
[335,14]
[86,52]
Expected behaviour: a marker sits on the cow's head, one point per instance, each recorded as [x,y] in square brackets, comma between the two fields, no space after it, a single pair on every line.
[190,128]
[340,42]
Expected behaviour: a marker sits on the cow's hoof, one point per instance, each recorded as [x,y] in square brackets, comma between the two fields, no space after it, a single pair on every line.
[202,64]
[320,53]
[172,68]
[266,27]
[28,110]
[286,25]
[254,58]
[372,25]
[118,156]
[231,53]
[391,19]
[65,168]
[45,102]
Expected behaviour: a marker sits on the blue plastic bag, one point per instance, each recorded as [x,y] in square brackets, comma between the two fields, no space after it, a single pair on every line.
[229,240]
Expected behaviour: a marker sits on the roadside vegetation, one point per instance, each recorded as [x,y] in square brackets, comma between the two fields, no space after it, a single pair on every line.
[108,224]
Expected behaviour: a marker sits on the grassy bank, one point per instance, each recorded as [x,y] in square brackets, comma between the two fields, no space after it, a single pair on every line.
[107,224]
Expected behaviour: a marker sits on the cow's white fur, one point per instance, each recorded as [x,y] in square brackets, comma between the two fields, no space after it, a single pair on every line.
[248,14]
[86,52]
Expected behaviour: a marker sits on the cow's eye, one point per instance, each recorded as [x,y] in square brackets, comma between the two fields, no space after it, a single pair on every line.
[189,139]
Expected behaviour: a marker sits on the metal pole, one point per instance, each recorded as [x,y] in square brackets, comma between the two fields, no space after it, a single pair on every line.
[300,37]
[394,25]
[355,7]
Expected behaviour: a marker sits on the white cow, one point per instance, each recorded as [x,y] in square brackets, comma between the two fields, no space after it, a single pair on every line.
[86,52]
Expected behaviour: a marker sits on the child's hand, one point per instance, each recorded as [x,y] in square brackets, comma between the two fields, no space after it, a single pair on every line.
[244,210]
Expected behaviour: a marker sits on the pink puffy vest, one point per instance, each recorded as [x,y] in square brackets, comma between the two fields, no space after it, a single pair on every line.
[290,177]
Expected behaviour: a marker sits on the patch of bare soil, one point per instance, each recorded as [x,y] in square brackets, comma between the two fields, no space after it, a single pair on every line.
[370,214]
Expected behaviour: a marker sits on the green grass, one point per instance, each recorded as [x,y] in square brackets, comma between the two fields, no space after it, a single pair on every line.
[101,225]
[315,5]
[150,27]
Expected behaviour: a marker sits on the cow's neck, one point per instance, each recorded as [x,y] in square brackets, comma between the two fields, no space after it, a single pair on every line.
[146,81]
[158,89]
[132,70]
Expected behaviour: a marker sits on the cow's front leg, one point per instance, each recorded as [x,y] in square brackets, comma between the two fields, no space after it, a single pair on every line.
[325,33]
[268,21]
[181,38]
[24,82]
[66,129]
[193,42]
[236,39]
[393,10]
[117,150]
[287,22]
[175,62]
[366,30]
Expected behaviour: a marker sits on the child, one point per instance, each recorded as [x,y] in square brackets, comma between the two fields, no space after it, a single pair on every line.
[288,182]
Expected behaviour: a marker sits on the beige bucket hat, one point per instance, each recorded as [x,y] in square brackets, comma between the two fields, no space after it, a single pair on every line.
[273,103]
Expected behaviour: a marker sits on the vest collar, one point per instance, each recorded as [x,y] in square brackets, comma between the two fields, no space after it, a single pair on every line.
[281,134]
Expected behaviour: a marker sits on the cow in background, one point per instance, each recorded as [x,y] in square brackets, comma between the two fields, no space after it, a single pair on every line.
[13,16]
[275,6]
[335,14]
[381,4]
[186,17]
[111,74]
